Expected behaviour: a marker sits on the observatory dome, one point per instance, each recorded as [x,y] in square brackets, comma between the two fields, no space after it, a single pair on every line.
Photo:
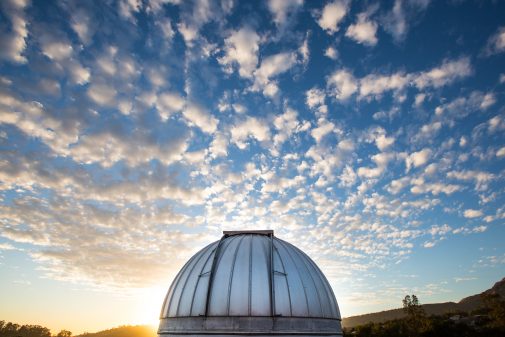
[250,283]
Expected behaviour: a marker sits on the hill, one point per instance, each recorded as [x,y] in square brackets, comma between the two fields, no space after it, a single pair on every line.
[467,304]
[124,331]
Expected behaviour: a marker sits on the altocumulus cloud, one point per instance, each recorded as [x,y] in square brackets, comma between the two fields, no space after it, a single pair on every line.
[132,134]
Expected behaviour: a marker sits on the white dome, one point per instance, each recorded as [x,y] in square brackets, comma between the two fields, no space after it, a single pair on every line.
[249,275]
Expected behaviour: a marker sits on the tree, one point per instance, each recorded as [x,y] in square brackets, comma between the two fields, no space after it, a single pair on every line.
[496,309]
[416,316]
[64,333]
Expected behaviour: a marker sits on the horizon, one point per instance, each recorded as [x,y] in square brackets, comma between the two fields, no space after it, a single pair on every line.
[133,132]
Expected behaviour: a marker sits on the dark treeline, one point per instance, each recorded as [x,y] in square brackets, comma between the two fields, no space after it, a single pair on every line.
[8,329]
[489,321]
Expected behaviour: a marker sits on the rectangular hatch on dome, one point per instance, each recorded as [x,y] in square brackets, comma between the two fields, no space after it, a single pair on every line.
[260,232]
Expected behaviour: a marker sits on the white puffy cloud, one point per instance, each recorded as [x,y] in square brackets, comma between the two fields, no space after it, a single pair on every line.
[501,152]
[241,48]
[381,160]
[314,97]
[127,8]
[219,146]
[363,31]
[102,94]
[107,148]
[78,73]
[269,68]
[376,85]
[188,32]
[447,72]
[168,103]
[332,15]
[418,158]
[200,117]
[342,84]
[56,50]
[472,213]
[488,100]
[323,128]
[286,125]
[251,127]
[401,16]
[347,177]
[331,53]
[383,142]
[481,178]
[282,10]
[496,43]
[82,25]
[62,256]
[304,50]
[395,186]
[13,43]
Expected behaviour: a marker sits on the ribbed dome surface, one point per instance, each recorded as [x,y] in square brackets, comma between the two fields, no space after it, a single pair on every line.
[250,274]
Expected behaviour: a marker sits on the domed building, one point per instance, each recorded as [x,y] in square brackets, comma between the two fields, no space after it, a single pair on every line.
[250,283]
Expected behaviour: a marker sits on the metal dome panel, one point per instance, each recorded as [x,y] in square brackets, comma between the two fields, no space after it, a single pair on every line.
[250,274]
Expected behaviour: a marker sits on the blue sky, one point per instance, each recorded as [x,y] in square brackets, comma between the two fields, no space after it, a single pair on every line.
[369,134]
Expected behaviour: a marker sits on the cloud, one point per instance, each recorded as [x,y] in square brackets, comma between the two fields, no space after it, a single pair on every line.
[331,53]
[82,25]
[251,127]
[496,43]
[363,31]
[13,42]
[62,254]
[403,14]
[481,178]
[472,213]
[420,187]
[333,13]
[418,158]
[270,67]
[376,85]
[282,10]
[128,8]
[168,103]
[199,116]
[78,73]
[56,50]
[501,152]
[342,84]
[108,148]
[241,48]
[323,128]
[314,97]
[447,72]
[286,125]
[384,142]
[381,160]
[102,94]
[219,146]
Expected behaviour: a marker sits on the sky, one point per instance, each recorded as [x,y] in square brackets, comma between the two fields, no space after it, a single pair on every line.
[132,133]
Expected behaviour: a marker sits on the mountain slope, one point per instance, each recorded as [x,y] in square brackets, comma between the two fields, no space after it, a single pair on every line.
[124,331]
[467,304]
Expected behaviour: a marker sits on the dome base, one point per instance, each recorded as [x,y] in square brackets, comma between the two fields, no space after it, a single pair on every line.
[264,326]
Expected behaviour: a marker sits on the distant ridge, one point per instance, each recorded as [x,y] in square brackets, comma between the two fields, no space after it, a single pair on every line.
[467,304]
[124,331]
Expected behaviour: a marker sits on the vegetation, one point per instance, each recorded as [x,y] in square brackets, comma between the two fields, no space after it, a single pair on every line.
[124,331]
[489,320]
[15,330]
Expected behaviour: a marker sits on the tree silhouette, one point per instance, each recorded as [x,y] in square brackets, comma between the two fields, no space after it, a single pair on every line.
[416,316]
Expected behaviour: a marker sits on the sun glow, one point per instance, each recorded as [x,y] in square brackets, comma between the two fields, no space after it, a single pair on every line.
[149,305]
